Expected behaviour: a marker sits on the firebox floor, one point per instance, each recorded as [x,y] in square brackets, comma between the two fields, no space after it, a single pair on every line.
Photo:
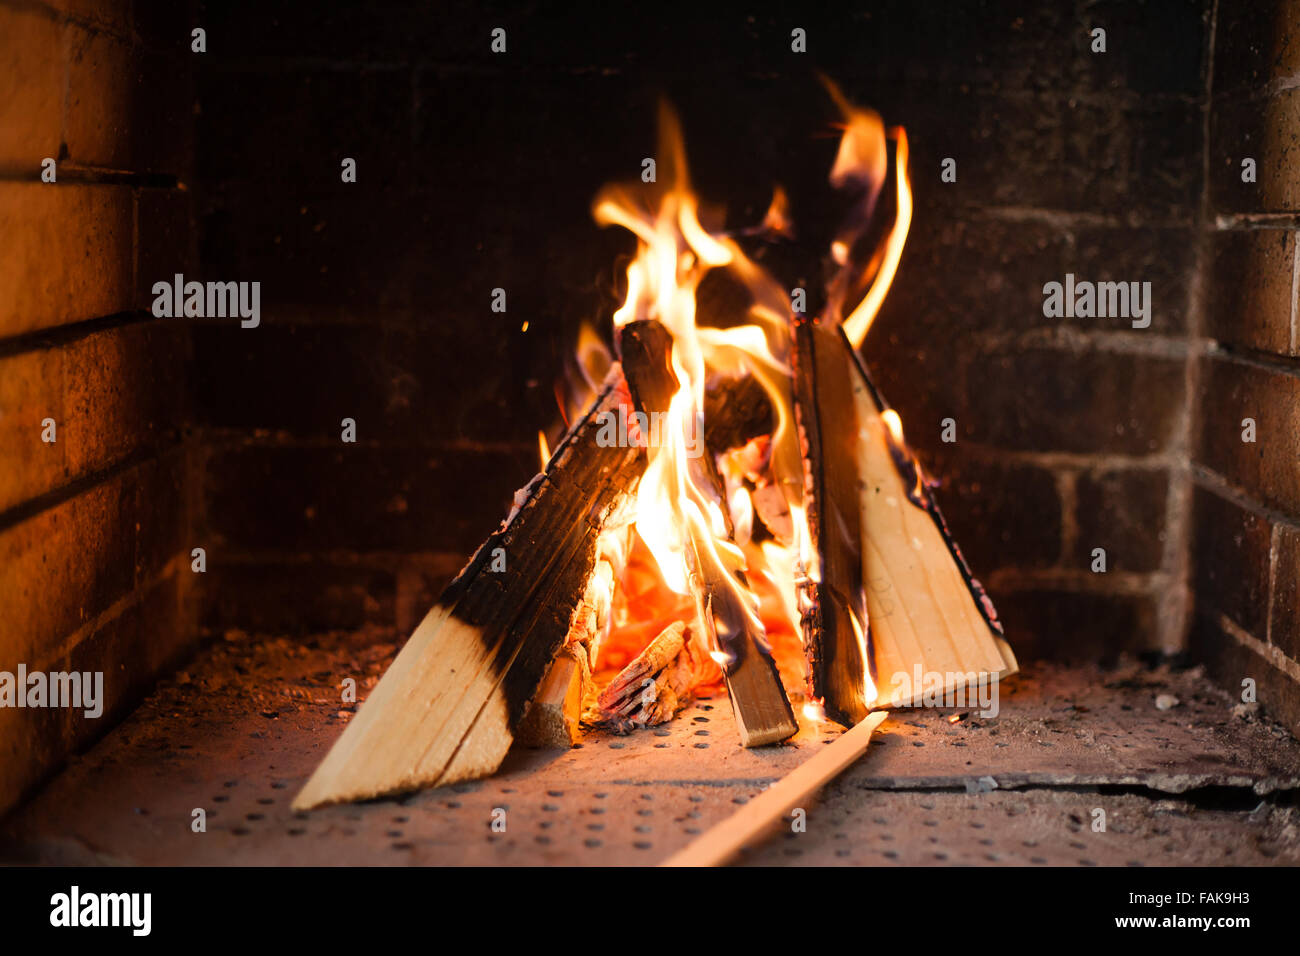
[237,734]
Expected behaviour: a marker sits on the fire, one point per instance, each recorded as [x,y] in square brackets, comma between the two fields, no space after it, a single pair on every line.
[686,523]
[859,321]
[861,165]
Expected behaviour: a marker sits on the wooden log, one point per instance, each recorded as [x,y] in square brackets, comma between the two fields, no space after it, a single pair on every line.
[832,597]
[721,843]
[928,614]
[449,706]
[554,718]
[736,409]
[762,710]
[657,683]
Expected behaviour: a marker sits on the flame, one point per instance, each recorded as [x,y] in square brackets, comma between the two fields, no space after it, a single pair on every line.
[814,711]
[868,685]
[543,450]
[777,220]
[678,519]
[859,321]
[680,522]
[862,165]
[894,424]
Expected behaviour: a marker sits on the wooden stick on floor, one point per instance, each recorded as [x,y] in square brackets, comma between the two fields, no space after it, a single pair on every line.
[721,843]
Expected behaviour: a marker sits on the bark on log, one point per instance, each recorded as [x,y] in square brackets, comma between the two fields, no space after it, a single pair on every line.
[834,620]
[887,559]
[450,704]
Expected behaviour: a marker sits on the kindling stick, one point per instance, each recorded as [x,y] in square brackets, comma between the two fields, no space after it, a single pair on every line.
[721,843]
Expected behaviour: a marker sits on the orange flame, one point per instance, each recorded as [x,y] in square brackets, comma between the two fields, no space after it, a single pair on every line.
[678,521]
[859,321]
[862,164]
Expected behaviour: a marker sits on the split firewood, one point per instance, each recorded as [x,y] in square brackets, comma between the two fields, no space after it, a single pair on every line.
[928,613]
[831,593]
[892,588]
[449,706]
[762,710]
[658,683]
[554,718]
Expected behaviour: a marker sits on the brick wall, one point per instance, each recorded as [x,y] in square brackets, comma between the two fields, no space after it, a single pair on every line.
[476,171]
[1246,501]
[1072,433]
[94,526]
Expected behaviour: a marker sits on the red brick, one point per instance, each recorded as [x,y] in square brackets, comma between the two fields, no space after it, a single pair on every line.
[166,241]
[132,650]
[408,389]
[1002,514]
[31,88]
[1252,290]
[65,254]
[114,14]
[147,639]
[1284,616]
[298,597]
[110,394]
[33,741]
[61,568]
[98,123]
[358,498]
[1124,512]
[1004,265]
[1039,399]
[1230,662]
[1230,557]
[1268,131]
[1059,624]
[126,109]
[1232,390]
[31,390]
[163,525]
[1255,43]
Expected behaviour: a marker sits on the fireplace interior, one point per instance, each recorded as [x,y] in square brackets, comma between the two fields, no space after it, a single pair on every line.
[228,516]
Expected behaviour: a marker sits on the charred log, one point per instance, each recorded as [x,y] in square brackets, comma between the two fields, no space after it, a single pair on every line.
[762,710]
[833,596]
[450,704]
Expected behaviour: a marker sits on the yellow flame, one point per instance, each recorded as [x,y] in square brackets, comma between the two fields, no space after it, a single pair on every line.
[869,692]
[894,424]
[679,521]
[859,321]
[543,449]
[682,523]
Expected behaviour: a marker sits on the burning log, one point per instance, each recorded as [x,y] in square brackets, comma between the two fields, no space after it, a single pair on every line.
[762,710]
[450,704]
[893,597]
[832,594]
[657,683]
[554,718]
[929,616]
[736,410]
